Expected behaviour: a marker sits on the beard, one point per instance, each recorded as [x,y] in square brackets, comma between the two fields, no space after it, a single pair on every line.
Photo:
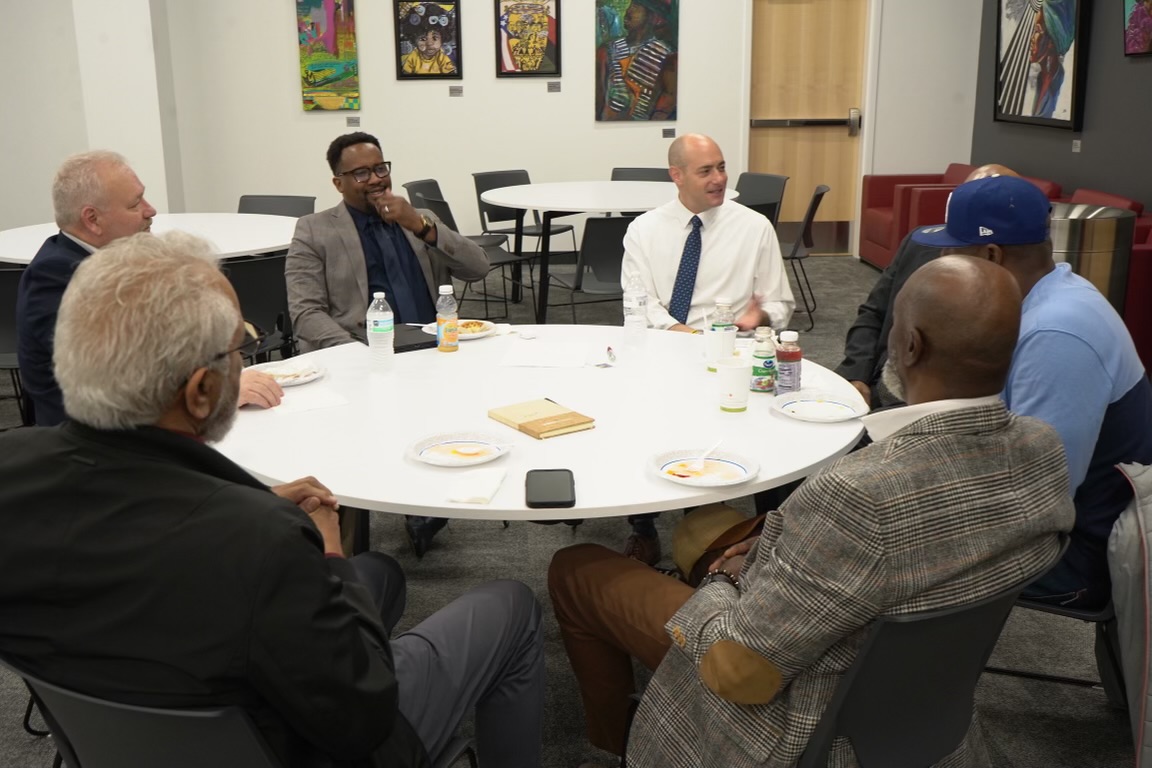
[218,423]
[891,380]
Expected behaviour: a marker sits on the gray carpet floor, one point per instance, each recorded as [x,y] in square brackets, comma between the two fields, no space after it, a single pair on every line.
[1027,723]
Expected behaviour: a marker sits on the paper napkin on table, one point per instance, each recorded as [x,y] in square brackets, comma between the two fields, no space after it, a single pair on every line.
[476,486]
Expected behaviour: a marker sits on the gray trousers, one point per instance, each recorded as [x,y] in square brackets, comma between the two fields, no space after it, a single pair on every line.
[483,651]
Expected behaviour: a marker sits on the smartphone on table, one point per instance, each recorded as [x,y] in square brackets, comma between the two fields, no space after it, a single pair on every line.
[549,489]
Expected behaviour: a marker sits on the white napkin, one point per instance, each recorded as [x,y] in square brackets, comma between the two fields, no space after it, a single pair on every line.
[476,486]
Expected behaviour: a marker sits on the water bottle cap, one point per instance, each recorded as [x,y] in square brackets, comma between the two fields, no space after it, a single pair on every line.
[445,290]
[723,302]
[789,336]
[378,295]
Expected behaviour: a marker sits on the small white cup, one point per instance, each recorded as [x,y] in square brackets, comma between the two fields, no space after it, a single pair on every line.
[732,376]
[718,345]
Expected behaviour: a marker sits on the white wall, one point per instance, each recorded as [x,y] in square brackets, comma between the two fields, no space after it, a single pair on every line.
[242,128]
[921,89]
[42,119]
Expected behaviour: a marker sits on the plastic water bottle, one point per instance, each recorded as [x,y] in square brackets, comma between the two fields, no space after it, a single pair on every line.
[635,313]
[789,358]
[381,331]
[763,361]
[721,336]
[447,321]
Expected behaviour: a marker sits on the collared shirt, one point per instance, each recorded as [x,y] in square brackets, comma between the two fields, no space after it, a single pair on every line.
[393,268]
[740,255]
[79,242]
[884,424]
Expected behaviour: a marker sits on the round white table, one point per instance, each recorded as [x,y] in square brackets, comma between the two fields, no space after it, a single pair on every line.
[356,437]
[564,197]
[233,234]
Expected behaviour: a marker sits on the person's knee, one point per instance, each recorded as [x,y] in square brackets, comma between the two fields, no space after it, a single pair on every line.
[565,562]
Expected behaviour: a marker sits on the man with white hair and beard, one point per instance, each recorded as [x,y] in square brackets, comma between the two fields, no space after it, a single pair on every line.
[144,567]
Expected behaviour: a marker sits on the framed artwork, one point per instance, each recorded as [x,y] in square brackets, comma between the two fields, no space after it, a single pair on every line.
[1041,60]
[329,68]
[1137,27]
[428,41]
[636,59]
[527,38]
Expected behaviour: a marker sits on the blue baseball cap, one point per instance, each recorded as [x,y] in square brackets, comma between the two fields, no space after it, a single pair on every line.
[1000,210]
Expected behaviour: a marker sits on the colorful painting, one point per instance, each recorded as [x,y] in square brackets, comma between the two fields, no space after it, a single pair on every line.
[1040,74]
[329,68]
[1137,27]
[428,41]
[636,59]
[527,38]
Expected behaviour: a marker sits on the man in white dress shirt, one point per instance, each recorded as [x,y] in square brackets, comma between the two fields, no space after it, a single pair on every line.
[739,255]
[694,250]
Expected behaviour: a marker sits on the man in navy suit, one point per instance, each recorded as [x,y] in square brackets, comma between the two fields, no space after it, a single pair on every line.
[97,198]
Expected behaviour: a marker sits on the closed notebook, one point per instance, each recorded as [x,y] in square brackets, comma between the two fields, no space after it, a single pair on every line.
[542,418]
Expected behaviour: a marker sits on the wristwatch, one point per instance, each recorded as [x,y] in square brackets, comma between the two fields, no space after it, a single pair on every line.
[424,230]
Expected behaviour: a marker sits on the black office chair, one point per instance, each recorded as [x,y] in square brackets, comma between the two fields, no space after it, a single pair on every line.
[598,263]
[278,205]
[494,214]
[906,701]
[641,174]
[798,251]
[259,284]
[763,193]
[9,288]
[429,189]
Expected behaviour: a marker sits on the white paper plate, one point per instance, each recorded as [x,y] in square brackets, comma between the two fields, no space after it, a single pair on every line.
[721,468]
[816,405]
[290,373]
[487,328]
[458,449]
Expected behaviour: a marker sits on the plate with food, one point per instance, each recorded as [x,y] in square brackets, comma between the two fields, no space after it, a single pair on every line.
[458,449]
[720,468]
[820,406]
[290,373]
[469,329]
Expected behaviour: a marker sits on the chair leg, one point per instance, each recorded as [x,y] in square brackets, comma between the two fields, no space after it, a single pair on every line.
[809,307]
[1108,664]
[28,719]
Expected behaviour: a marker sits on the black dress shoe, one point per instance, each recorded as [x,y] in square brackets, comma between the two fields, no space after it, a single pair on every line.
[420,531]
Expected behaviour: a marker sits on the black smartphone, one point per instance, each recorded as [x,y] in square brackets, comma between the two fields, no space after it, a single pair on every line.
[549,489]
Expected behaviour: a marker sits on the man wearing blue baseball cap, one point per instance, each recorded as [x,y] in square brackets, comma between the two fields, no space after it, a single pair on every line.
[1075,367]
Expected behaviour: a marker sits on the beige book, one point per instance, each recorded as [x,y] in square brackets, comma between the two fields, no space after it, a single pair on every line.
[542,418]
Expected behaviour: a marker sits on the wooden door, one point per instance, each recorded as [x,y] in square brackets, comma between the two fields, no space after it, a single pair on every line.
[808,70]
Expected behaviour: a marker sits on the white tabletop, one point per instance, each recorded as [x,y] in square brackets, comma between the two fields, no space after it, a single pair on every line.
[664,400]
[587,196]
[233,234]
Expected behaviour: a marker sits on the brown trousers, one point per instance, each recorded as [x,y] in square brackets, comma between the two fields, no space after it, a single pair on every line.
[610,609]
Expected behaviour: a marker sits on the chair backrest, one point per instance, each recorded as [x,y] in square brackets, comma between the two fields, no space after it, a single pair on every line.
[438,206]
[9,287]
[641,174]
[1096,197]
[601,254]
[96,733]
[278,205]
[259,284]
[762,192]
[906,701]
[422,188]
[805,240]
[486,180]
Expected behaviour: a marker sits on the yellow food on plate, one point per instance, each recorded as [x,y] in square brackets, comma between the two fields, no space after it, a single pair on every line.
[286,377]
[461,450]
[468,327]
[687,470]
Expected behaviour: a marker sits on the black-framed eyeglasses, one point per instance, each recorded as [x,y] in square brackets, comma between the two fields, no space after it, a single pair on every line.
[247,349]
[382,171]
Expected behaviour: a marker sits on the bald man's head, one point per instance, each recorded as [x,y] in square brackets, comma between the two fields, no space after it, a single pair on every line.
[696,165]
[954,330]
[992,169]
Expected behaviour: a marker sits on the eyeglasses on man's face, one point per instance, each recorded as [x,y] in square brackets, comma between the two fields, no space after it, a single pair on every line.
[246,349]
[383,170]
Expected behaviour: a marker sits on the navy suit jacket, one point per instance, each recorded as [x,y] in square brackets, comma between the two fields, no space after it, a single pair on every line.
[41,289]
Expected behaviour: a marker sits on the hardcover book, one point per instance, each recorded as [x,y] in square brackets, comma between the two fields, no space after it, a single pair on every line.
[542,419]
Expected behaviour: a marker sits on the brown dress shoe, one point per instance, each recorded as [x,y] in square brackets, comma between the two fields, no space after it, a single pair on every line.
[646,549]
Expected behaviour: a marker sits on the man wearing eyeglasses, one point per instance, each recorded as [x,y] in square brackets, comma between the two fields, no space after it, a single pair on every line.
[372,241]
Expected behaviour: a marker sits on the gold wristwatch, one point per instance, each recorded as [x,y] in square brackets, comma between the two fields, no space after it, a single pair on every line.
[424,230]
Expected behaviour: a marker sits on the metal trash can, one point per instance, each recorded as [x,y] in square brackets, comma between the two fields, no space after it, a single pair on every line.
[1097,242]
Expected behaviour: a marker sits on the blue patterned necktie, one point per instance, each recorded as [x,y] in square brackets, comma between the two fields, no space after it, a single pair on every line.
[686,275]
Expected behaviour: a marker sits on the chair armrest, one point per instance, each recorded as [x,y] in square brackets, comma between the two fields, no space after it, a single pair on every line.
[905,215]
[927,205]
[878,189]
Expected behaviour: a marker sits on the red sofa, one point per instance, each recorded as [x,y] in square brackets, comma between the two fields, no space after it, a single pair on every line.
[884,208]
[1138,298]
[1095,197]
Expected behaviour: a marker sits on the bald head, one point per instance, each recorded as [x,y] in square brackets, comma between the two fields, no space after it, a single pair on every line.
[697,167]
[992,169]
[954,330]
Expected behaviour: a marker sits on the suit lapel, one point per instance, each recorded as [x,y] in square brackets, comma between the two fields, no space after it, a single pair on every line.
[353,250]
[421,250]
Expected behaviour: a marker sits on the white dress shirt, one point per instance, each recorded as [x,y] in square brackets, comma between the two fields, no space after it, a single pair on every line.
[740,256]
[883,424]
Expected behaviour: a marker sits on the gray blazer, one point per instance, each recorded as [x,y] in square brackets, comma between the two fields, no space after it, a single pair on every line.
[950,509]
[328,280]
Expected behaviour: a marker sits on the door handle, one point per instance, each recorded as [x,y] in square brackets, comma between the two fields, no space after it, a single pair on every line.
[852,122]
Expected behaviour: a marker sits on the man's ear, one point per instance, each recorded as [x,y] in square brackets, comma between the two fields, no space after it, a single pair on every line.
[993,253]
[676,174]
[90,219]
[201,393]
[913,348]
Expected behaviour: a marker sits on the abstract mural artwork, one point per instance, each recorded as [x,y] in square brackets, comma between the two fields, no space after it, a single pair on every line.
[329,70]
[1137,27]
[527,38]
[428,41]
[1041,62]
[636,59]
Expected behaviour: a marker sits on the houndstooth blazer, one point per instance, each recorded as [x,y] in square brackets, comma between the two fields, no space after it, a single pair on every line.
[952,508]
